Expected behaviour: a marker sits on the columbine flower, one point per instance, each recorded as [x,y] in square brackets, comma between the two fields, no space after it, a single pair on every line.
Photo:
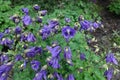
[67,53]
[68,32]
[82,56]
[95,25]
[26,20]
[1,35]
[23,37]
[58,76]
[7,31]
[43,12]
[52,23]
[18,57]
[111,59]
[109,73]
[67,20]
[25,10]
[70,77]
[36,7]
[15,18]
[18,30]
[31,38]
[6,42]
[54,62]
[35,65]
[4,58]
[33,51]
[39,19]
[55,51]
[42,75]
[85,25]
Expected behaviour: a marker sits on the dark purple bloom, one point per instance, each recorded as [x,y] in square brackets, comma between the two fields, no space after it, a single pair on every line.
[68,32]
[18,30]
[70,77]
[25,10]
[111,59]
[18,57]
[85,25]
[82,56]
[95,25]
[67,53]
[52,23]
[6,42]
[4,76]
[23,37]
[33,51]
[35,65]
[54,62]
[7,31]
[4,58]
[31,38]
[45,32]
[43,12]
[109,73]
[39,19]
[36,7]
[58,76]
[15,18]
[26,20]
[55,51]
[1,35]
[67,20]
[42,75]
[80,18]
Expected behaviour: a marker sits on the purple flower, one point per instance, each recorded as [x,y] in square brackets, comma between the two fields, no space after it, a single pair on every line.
[85,25]
[109,73]
[68,32]
[70,77]
[58,76]
[33,51]
[54,62]
[55,51]
[6,42]
[4,77]
[18,57]
[42,75]
[7,31]
[67,20]
[23,37]
[39,19]
[26,20]
[15,18]
[35,65]
[43,12]
[4,58]
[111,59]
[82,56]
[25,10]
[18,30]
[36,7]
[31,38]
[1,35]
[95,25]
[67,53]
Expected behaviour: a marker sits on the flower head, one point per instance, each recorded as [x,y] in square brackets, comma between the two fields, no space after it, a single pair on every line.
[68,32]
[25,10]
[6,42]
[36,7]
[18,30]
[109,73]
[26,20]
[4,58]
[31,38]
[70,77]
[18,57]
[67,20]
[58,76]
[43,12]
[82,56]
[67,53]
[35,65]
[1,35]
[85,25]
[111,59]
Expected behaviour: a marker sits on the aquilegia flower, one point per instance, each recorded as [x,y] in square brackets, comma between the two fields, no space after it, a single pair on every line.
[35,65]
[55,51]
[26,20]
[15,18]
[109,73]
[18,57]
[39,19]
[6,42]
[85,25]
[1,35]
[18,30]
[68,32]
[43,12]
[70,77]
[4,58]
[36,7]
[7,31]
[25,10]
[111,59]
[82,56]
[67,20]
[58,76]
[67,53]
[42,75]
[31,38]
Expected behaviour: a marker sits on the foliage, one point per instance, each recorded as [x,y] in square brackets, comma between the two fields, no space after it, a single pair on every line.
[114,6]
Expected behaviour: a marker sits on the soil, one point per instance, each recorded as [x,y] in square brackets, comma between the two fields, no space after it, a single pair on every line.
[104,35]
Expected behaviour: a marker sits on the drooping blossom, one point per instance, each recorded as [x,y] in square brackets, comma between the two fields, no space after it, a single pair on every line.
[42,75]
[39,19]
[68,32]
[70,77]
[31,38]
[57,76]
[18,57]
[15,18]
[1,35]
[26,20]
[67,53]
[109,73]
[111,59]
[4,58]
[36,7]
[7,31]
[67,20]
[25,10]
[43,12]
[82,56]
[18,30]
[35,65]
[85,25]
[7,42]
